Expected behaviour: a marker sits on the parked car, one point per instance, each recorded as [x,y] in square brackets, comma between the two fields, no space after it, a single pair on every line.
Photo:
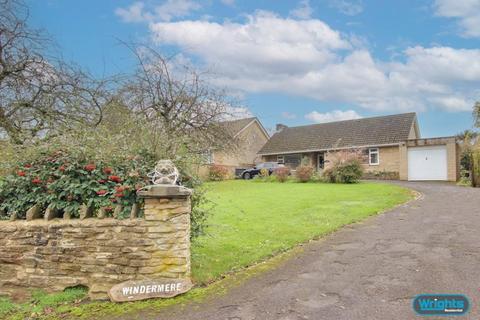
[270,166]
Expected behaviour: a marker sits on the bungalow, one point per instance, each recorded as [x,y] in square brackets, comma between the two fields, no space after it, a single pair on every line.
[391,147]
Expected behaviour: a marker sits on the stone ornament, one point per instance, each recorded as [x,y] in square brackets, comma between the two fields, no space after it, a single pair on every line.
[165,172]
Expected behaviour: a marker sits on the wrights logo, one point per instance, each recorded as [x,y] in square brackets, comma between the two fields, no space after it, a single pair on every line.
[441,304]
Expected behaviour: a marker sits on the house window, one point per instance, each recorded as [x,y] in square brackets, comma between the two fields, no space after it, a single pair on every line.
[292,160]
[208,157]
[373,156]
[281,159]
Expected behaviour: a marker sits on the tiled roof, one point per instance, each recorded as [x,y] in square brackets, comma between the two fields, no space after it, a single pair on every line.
[342,134]
[235,126]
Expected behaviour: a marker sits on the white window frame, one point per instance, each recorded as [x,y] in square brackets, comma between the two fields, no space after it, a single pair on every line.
[281,159]
[373,151]
[208,157]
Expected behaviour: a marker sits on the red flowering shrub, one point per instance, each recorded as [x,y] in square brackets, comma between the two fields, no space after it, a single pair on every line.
[217,173]
[107,170]
[65,181]
[282,174]
[115,179]
[304,173]
[90,167]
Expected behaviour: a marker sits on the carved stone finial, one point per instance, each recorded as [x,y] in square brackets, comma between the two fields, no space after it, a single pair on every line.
[165,172]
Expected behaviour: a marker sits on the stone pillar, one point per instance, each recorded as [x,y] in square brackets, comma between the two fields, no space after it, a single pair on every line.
[452,164]
[167,219]
[167,216]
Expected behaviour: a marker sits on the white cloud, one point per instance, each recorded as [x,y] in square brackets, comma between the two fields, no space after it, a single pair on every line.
[228,2]
[265,45]
[268,53]
[466,11]
[234,113]
[288,115]
[134,13]
[303,11]
[175,8]
[453,103]
[331,116]
[166,11]
[349,8]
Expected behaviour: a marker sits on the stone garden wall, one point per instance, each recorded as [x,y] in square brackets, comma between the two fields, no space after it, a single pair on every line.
[97,253]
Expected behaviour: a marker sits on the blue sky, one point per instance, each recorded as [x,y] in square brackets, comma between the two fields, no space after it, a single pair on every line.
[295,62]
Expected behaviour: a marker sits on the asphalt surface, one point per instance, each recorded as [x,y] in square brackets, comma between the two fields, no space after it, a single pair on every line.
[370,270]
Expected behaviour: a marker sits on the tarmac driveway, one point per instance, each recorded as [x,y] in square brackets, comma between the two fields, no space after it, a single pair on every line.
[369,270]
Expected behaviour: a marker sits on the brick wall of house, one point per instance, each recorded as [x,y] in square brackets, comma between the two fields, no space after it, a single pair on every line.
[389,160]
[243,155]
[249,142]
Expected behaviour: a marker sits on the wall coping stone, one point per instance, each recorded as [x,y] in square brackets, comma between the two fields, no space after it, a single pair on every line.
[164,191]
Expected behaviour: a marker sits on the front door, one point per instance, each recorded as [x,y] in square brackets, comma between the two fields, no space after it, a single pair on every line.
[321,161]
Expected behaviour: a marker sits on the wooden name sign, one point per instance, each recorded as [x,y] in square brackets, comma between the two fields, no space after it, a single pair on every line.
[147,289]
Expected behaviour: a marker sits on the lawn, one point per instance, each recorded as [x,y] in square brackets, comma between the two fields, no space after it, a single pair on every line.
[249,222]
[252,221]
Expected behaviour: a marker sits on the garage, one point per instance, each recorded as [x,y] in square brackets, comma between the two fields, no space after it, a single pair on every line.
[427,163]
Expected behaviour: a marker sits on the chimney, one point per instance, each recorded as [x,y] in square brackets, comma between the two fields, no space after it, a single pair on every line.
[280,127]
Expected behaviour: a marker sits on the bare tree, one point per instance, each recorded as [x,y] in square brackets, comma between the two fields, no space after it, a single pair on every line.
[39,95]
[184,110]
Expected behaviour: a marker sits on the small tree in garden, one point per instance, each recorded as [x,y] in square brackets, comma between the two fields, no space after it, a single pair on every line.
[282,174]
[346,166]
[182,109]
[470,158]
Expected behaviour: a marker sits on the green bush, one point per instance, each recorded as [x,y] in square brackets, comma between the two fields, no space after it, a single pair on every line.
[66,180]
[348,172]
[304,173]
[328,175]
[476,167]
[345,166]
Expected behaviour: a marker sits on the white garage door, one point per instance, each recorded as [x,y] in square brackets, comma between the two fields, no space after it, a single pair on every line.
[427,163]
